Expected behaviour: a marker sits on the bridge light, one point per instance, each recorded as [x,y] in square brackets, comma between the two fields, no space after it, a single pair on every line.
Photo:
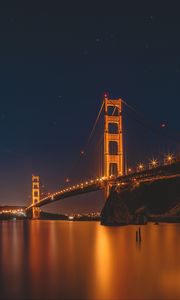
[86,182]
[169,158]
[111,176]
[129,170]
[105,95]
[92,181]
[140,166]
[67,180]
[153,163]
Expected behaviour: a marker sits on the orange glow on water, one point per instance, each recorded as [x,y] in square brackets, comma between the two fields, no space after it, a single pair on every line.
[61,259]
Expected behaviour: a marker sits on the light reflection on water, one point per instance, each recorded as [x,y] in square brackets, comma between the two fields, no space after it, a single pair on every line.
[83,260]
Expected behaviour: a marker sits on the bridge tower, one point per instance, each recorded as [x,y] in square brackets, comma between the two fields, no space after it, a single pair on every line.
[113,139]
[35,196]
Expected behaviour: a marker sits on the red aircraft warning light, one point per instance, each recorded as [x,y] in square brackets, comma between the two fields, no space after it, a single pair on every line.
[105,95]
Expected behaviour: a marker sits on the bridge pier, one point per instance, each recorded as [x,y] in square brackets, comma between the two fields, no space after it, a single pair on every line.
[108,188]
[36,213]
[106,191]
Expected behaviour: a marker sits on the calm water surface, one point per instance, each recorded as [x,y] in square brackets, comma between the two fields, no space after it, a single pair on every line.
[84,260]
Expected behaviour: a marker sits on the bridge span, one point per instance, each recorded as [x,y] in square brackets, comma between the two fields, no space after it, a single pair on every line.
[101,183]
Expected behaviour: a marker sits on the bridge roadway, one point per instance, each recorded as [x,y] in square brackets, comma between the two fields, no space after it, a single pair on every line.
[100,183]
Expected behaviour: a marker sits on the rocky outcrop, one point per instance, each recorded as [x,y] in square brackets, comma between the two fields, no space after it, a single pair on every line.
[115,211]
[156,197]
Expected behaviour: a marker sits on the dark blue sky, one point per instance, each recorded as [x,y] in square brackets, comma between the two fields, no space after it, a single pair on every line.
[54,69]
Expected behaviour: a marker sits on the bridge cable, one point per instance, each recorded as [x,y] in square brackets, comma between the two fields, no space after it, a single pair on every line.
[95,124]
[88,140]
[148,125]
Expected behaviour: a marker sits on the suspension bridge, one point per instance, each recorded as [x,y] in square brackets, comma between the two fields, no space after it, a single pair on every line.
[112,166]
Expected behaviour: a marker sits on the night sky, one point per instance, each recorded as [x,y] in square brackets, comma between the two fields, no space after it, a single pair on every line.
[54,70]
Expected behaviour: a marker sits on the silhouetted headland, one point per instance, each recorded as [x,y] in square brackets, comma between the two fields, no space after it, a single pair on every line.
[157,200]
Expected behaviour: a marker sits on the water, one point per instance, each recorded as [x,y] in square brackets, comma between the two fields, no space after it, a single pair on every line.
[83,260]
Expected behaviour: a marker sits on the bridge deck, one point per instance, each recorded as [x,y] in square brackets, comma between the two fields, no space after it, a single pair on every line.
[100,183]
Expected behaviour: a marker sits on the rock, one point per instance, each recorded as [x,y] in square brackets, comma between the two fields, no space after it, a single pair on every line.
[160,197]
[115,211]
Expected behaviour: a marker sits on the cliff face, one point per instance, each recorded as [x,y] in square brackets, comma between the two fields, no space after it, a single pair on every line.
[115,211]
[156,197]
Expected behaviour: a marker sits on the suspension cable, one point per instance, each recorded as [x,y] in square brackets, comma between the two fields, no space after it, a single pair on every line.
[95,124]
[148,125]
